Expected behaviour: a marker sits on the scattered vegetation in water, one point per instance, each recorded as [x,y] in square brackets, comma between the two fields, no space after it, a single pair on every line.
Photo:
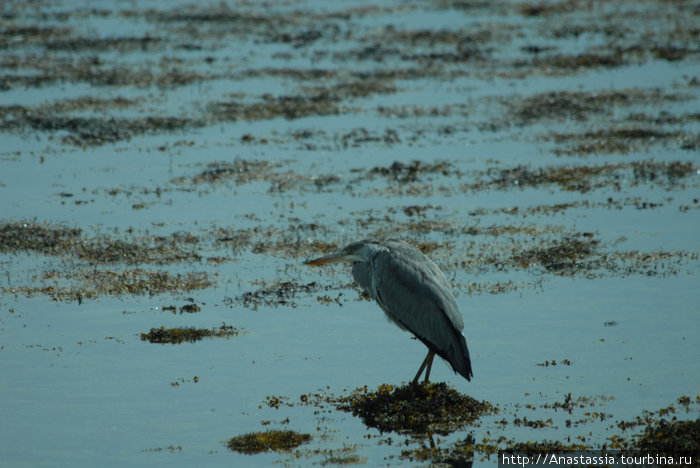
[289,107]
[544,446]
[585,178]
[240,171]
[582,105]
[191,46]
[279,294]
[411,172]
[21,236]
[93,283]
[671,437]
[191,308]
[169,448]
[553,362]
[417,409]
[624,139]
[17,236]
[88,131]
[422,411]
[562,256]
[178,335]
[662,431]
[276,440]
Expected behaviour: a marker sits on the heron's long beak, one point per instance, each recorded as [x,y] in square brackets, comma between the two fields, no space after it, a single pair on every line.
[333,258]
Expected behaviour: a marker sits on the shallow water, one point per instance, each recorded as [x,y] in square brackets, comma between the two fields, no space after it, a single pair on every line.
[552,172]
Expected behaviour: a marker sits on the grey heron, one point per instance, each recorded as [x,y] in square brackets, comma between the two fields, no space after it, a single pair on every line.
[414,294]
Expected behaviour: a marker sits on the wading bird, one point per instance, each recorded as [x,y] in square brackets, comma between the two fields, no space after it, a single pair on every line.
[414,293]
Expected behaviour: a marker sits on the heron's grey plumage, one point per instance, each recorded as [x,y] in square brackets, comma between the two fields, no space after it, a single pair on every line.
[414,293]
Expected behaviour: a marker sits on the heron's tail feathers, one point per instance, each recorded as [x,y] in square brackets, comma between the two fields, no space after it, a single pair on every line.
[458,357]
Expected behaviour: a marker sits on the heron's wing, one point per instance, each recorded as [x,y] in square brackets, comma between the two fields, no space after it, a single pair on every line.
[413,292]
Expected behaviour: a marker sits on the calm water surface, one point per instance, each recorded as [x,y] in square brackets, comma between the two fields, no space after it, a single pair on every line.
[287,120]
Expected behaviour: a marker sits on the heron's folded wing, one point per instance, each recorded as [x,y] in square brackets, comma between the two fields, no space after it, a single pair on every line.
[412,290]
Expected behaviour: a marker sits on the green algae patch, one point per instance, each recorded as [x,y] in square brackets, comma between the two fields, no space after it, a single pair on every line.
[415,408]
[178,335]
[258,442]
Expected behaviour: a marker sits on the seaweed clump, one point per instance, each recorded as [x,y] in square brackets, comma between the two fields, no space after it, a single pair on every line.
[178,335]
[406,173]
[415,408]
[671,437]
[18,236]
[257,442]
[562,256]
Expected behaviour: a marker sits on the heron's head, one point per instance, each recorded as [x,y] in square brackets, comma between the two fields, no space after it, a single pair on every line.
[356,252]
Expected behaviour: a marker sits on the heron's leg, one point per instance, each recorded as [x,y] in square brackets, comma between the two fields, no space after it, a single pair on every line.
[429,357]
[420,371]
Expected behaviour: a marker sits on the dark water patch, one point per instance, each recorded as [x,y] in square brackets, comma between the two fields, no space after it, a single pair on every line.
[276,440]
[164,335]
